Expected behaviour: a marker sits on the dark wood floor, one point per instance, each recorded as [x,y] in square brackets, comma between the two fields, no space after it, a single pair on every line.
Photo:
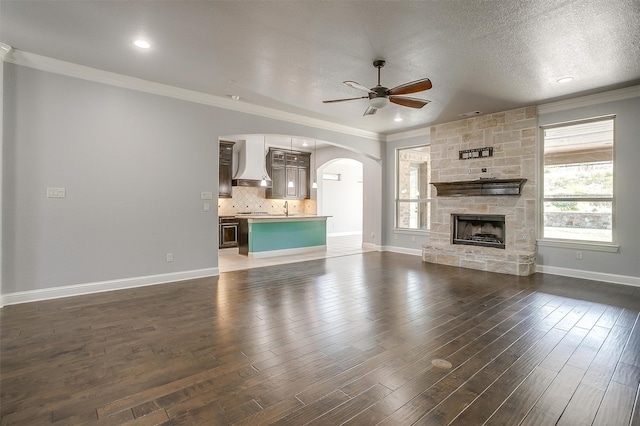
[348,340]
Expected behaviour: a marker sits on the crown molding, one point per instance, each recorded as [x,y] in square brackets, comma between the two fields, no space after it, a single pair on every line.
[5,49]
[416,133]
[598,98]
[583,101]
[69,69]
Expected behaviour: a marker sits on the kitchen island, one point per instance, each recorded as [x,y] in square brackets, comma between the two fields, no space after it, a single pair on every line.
[280,235]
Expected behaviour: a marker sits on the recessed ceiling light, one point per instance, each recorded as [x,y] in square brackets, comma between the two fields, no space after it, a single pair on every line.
[142,44]
[564,80]
[234,97]
[397,119]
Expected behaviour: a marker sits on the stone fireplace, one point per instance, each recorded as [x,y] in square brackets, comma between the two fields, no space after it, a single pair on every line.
[511,135]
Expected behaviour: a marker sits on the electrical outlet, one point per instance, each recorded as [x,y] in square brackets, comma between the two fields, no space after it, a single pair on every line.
[206,207]
[413,238]
[579,255]
[169,257]
[206,195]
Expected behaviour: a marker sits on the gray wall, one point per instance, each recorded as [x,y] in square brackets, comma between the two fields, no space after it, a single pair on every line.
[398,240]
[133,165]
[627,195]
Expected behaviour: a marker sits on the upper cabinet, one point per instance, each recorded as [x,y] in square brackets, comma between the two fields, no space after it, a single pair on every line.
[225,168]
[289,172]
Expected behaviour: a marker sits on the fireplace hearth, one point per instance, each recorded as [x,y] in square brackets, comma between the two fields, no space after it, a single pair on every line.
[478,230]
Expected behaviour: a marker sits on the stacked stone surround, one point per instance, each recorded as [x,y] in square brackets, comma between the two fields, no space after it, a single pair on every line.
[512,134]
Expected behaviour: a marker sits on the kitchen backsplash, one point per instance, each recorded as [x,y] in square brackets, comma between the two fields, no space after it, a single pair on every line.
[250,199]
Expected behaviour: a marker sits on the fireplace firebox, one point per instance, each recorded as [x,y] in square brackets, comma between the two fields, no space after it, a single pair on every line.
[478,230]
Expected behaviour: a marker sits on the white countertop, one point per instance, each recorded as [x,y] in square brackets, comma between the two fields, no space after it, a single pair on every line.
[280,217]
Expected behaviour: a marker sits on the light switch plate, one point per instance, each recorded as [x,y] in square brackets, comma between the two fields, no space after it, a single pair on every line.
[206,195]
[56,193]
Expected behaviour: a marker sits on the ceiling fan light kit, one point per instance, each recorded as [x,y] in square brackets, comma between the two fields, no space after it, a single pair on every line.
[378,102]
[380,96]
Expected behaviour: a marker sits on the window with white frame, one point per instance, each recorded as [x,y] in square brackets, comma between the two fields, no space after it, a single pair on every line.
[413,191]
[331,176]
[577,184]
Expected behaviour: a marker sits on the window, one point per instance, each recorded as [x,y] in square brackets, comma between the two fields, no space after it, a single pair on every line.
[578,170]
[331,176]
[413,191]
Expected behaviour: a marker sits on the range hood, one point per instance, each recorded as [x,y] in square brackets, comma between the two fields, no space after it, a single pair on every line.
[251,162]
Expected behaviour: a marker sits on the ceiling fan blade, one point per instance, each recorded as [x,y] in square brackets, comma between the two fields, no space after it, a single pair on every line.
[370,111]
[408,102]
[342,100]
[356,85]
[413,87]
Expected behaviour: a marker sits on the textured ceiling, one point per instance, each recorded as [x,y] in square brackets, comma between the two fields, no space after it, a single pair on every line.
[290,55]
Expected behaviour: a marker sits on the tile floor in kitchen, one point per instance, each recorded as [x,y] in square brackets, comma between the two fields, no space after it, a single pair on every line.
[230,260]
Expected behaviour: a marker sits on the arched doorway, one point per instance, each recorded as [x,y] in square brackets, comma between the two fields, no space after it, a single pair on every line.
[340,195]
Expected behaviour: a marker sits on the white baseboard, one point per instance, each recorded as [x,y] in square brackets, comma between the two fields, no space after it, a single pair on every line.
[371,246]
[589,275]
[343,234]
[403,250]
[102,286]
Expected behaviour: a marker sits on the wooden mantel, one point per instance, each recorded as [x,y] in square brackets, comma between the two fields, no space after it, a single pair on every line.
[479,187]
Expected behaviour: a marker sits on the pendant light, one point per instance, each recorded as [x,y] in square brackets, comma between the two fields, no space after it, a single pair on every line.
[290,184]
[263,182]
[313,169]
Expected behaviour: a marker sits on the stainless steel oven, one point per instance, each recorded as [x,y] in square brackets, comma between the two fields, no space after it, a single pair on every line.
[228,231]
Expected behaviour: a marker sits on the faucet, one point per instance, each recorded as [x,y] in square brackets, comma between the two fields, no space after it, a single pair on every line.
[286,208]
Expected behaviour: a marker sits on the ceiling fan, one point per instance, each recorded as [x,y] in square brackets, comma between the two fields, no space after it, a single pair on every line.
[380,96]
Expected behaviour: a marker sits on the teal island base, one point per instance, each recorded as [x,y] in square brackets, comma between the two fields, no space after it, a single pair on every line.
[269,236]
